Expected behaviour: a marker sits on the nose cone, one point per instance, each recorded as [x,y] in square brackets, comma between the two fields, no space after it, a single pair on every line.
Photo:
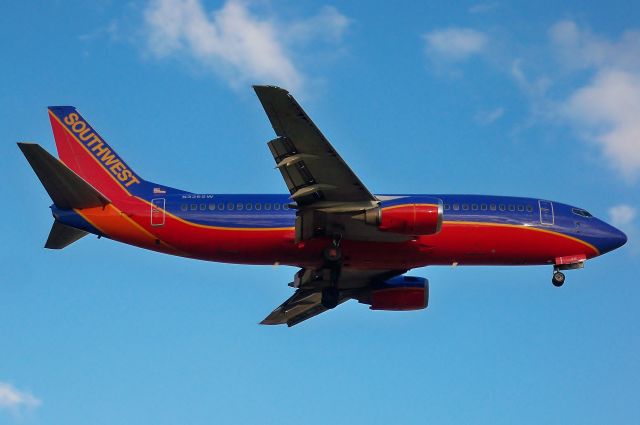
[613,239]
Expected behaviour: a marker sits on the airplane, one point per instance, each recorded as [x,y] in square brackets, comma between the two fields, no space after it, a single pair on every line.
[347,242]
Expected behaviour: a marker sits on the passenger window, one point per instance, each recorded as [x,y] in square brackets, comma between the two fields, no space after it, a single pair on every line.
[183,207]
[492,207]
[529,208]
[239,206]
[447,207]
[258,207]
[230,206]
[221,206]
[203,207]
[465,207]
[193,207]
[248,206]
[520,208]
[212,207]
[512,207]
[285,206]
[276,207]
[483,207]
[501,207]
[456,207]
[267,206]
[474,207]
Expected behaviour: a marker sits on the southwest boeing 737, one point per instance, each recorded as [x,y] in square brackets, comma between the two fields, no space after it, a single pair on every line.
[347,242]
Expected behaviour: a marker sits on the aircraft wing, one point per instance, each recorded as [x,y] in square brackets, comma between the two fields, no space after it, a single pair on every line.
[327,193]
[305,303]
[312,169]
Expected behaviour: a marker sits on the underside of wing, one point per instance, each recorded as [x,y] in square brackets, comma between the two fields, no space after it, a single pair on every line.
[303,305]
[307,301]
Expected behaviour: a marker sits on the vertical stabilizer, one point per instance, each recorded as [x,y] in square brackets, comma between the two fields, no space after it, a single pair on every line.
[82,149]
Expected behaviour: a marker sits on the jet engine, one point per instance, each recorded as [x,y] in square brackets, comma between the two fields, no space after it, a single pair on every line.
[421,217]
[400,293]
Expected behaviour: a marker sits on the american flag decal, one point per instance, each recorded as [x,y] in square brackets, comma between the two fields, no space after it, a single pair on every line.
[158,191]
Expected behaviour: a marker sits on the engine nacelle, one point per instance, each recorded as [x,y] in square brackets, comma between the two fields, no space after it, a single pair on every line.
[423,216]
[401,293]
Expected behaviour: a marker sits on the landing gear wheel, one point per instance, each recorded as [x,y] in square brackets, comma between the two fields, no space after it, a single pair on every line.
[330,298]
[557,279]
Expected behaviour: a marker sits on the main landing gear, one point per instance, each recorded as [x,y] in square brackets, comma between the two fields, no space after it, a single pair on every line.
[557,279]
[333,253]
[333,261]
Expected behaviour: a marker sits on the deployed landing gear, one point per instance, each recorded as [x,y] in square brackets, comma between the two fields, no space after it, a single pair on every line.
[333,261]
[333,253]
[330,297]
[557,279]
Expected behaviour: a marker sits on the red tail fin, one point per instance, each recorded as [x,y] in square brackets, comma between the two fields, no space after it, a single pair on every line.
[82,149]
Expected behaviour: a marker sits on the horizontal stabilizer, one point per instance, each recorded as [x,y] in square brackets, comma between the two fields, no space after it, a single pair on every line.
[62,236]
[66,189]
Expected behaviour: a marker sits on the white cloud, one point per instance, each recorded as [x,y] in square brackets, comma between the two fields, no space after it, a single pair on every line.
[580,48]
[622,215]
[536,88]
[15,400]
[489,116]
[455,44]
[482,7]
[233,41]
[329,25]
[605,110]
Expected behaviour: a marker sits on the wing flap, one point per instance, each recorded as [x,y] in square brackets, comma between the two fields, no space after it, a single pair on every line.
[303,304]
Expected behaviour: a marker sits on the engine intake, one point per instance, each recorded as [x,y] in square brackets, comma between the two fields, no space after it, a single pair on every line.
[401,293]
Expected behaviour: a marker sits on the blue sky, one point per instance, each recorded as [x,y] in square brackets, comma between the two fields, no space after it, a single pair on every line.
[526,98]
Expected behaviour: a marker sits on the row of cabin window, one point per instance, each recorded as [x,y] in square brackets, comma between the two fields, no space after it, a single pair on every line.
[490,207]
[231,206]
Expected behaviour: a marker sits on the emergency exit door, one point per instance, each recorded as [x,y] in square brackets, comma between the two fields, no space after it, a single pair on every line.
[546,212]
[157,212]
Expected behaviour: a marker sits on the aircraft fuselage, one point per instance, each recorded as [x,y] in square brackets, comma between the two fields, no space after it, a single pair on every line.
[259,229]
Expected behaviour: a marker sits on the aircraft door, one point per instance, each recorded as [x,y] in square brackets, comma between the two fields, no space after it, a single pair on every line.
[157,212]
[546,212]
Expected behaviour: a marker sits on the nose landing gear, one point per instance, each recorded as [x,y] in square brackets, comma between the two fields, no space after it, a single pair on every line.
[566,263]
[558,278]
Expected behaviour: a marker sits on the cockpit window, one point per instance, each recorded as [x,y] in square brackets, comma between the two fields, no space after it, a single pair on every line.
[581,212]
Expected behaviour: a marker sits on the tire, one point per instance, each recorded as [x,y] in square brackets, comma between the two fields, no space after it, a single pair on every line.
[558,279]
